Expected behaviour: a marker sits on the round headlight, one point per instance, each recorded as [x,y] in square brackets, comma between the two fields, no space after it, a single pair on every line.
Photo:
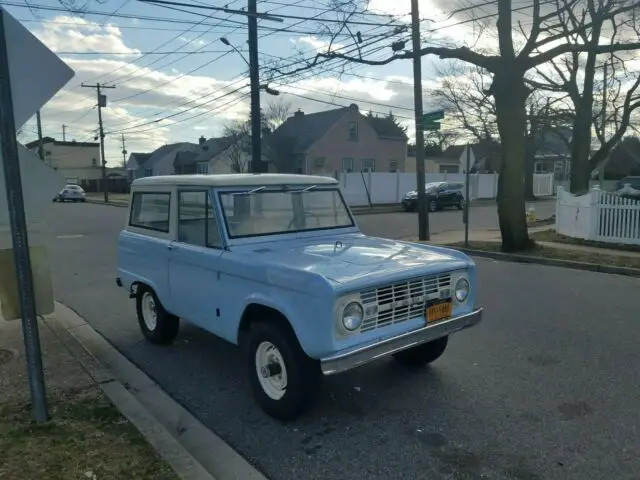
[352,316]
[462,289]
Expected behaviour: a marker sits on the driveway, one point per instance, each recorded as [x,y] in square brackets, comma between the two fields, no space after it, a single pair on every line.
[546,388]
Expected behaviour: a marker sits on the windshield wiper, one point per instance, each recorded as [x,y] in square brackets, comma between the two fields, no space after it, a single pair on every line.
[250,192]
[308,189]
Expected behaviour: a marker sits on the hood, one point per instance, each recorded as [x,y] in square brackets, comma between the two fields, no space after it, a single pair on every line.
[358,258]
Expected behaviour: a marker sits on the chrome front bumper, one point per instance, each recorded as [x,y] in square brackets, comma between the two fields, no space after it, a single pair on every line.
[342,362]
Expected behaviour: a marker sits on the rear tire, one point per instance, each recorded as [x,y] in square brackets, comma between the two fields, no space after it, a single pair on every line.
[158,326]
[432,205]
[422,354]
[282,377]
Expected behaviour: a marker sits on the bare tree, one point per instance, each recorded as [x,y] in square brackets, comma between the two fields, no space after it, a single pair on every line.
[275,113]
[576,74]
[440,140]
[545,41]
[239,150]
[238,134]
[463,93]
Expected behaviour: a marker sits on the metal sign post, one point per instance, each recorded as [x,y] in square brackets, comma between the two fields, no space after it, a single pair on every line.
[15,203]
[466,196]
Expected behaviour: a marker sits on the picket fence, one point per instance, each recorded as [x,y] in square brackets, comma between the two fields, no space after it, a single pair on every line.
[598,216]
[375,188]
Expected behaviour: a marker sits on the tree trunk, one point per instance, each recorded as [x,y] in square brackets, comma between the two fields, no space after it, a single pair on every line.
[580,152]
[510,94]
[529,166]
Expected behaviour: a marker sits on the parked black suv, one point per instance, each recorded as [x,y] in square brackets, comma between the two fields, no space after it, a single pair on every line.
[439,195]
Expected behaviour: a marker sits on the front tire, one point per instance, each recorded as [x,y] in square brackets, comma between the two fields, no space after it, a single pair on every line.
[422,354]
[158,326]
[282,377]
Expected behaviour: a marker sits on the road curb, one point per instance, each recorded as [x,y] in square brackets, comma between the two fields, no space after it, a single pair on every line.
[192,450]
[109,204]
[554,262]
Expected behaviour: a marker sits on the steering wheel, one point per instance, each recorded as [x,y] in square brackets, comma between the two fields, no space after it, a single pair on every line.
[306,214]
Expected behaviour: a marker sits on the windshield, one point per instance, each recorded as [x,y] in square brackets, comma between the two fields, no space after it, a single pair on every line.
[264,212]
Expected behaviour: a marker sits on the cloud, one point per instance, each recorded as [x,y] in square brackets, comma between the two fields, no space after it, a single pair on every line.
[318,44]
[83,36]
[152,107]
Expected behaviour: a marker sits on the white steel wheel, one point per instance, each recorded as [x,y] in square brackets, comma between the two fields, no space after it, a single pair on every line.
[149,311]
[271,370]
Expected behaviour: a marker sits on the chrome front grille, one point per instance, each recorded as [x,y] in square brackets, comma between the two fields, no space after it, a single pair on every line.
[402,301]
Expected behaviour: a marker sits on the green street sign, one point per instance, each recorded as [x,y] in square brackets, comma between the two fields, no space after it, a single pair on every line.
[433,116]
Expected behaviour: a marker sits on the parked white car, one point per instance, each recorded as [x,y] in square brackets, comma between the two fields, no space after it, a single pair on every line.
[72,193]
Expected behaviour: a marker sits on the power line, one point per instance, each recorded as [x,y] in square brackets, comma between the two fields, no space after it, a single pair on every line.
[191,101]
[273,30]
[166,83]
[139,53]
[242,12]
[166,43]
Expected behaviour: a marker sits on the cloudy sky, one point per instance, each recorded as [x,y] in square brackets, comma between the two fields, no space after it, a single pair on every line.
[175,80]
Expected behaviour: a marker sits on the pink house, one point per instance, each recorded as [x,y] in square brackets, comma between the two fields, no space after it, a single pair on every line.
[340,140]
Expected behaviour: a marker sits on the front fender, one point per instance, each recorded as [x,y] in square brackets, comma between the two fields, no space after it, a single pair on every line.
[310,318]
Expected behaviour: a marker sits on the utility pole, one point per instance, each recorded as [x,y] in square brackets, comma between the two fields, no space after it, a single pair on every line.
[64,132]
[40,141]
[257,165]
[19,235]
[604,121]
[466,195]
[423,215]
[124,153]
[102,102]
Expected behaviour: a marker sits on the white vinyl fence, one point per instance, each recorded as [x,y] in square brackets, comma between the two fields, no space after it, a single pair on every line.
[364,188]
[598,216]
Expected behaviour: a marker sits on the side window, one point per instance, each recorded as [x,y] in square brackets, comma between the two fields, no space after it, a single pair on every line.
[150,211]
[368,165]
[353,131]
[347,165]
[197,224]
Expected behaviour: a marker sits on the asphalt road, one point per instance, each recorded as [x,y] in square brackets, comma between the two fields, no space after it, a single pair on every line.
[547,387]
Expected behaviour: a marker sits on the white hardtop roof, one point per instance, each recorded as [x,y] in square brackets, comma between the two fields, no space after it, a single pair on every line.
[235,180]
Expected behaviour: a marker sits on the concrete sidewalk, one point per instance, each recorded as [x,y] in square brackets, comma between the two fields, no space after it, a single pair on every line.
[76,356]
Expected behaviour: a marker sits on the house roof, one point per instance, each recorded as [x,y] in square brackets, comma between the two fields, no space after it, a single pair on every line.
[138,158]
[205,152]
[165,150]
[308,128]
[236,179]
[46,140]
[185,158]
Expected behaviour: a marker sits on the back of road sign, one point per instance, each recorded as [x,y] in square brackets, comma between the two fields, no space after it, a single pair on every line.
[36,73]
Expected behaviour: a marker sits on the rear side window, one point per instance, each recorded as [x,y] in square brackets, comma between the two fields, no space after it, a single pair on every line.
[150,211]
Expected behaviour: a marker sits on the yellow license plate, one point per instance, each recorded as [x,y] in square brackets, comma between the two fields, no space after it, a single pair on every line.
[439,312]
